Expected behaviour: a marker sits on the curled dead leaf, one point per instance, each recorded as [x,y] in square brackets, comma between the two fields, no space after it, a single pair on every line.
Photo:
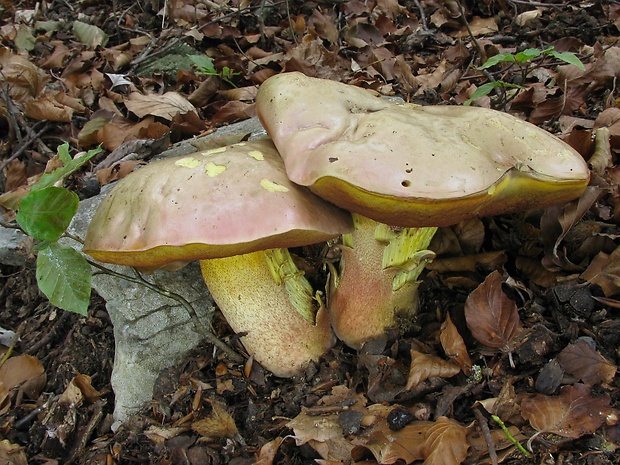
[572,414]
[445,443]
[165,106]
[492,317]
[454,346]
[424,366]
[581,360]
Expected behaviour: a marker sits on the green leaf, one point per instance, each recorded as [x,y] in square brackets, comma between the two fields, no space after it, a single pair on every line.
[45,214]
[70,165]
[64,276]
[497,59]
[568,57]
[528,55]
[203,63]
[90,35]
[486,89]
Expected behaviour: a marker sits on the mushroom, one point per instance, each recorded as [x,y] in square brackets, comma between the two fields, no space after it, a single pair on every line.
[403,168]
[234,209]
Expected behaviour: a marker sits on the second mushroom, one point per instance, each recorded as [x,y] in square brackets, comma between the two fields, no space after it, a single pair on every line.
[404,170]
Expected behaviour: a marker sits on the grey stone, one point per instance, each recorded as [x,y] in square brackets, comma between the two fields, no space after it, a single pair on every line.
[12,250]
[152,332]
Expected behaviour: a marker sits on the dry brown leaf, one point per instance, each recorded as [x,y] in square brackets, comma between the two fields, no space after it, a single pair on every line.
[445,443]
[218,425]
[12,454]
[159,434]
[324,434]
[424,366]
[324,26]
[454,346]
[491,316]
[391,446]
[24,80]
[478,27]
[234,110]
[604,271]
[571,414]
[581,360]
[268,452]
[240,93]
[25,371]
[83,383]
[117,171]
[557,221]
[47,108]
[164,106]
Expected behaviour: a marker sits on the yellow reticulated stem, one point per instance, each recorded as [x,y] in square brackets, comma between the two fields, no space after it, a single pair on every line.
[377,286]
[260,307]
[300,292]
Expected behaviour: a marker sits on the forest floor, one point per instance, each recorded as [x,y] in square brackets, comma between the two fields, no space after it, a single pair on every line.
[544,284]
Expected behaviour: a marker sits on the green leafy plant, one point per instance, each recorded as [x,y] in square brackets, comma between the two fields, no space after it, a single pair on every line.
[205,66]
[63,274]
[523,60]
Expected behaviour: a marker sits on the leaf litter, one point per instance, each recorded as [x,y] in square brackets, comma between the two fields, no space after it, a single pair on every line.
[518,314]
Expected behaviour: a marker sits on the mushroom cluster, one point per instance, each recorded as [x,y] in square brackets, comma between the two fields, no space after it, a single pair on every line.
[341,162]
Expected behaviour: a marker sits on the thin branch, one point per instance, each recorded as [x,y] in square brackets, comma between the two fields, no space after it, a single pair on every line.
[198,326]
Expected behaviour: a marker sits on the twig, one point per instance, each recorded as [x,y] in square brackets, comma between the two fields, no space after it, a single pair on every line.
[469,31]
[32,137]
[486,432]
[422,15]
[25,420]
[86,433]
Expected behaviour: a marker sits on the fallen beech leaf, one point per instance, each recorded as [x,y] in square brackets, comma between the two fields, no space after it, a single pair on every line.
[218,425]
[581,360]
[604,271]
[47,108]
[83,382]
[557,221]
[165,106]
[159,434]
[268,452]
[324,434]
[424,366]
[491,316]
[24,79]
[571,414]
[24,370]
[232,111]
[12,454]
[445,443]
[454,346]
[392,446]
[117,171]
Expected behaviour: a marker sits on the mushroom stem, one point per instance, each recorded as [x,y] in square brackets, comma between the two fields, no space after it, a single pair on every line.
[376,289]
[258,303]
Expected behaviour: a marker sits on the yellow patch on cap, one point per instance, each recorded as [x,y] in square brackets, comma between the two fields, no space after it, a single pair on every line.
[188,162]
[272,186]
[257,155]
[213,170]
[212,151]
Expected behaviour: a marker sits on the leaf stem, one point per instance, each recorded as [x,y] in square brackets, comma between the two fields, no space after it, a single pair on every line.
[510,437]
